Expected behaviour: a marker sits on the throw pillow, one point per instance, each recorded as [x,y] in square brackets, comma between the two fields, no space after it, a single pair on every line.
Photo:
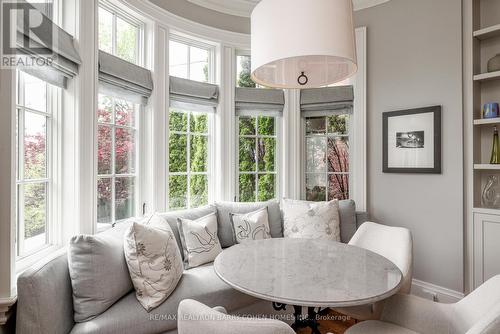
[199,239]
[311,220]
[251,226]
[154,262]
[98,271]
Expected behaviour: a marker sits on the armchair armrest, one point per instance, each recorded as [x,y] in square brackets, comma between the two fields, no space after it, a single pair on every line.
[417,314]
[220,309]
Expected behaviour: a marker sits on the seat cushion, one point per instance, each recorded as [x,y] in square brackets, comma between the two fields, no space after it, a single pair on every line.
[378,327]
[226,231]
[128,316]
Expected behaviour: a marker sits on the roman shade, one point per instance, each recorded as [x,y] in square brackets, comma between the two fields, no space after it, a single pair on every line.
[193,95]
[316,102]
[120,78]
[259,101]
[54,48]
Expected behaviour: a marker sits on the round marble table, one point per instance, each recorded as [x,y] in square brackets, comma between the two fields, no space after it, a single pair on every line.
[303,272]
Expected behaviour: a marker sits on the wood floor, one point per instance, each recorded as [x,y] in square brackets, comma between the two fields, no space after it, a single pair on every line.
[333,322]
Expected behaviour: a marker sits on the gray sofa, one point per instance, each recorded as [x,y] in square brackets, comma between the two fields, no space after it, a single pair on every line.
[45,294]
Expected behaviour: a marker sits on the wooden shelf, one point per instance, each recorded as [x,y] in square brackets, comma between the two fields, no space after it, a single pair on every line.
[486,33]
[486,167]
[487,121]
[487,76]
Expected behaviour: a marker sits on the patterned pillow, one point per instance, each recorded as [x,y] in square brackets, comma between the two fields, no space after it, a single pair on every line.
[251,226]
[311,220]
[199,239]
[154,262]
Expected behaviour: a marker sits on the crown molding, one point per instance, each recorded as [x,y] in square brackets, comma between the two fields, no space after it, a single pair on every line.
[244,7]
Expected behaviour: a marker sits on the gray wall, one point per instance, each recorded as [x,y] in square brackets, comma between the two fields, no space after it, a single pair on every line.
[205,16]
[414,60]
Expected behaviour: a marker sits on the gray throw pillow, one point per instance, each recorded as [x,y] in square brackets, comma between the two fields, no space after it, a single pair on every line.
[226,231]
[98,271]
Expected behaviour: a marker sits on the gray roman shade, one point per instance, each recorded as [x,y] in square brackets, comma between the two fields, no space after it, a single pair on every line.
[120,78]
[259,101]
[46,42]
[193,95]
[315,102]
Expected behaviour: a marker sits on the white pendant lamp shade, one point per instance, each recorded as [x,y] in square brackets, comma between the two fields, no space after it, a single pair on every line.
[302,43]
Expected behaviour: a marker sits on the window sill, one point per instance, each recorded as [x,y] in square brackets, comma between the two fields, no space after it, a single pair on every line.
[43,255]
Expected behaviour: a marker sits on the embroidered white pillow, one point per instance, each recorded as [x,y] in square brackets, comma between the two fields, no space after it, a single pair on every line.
[199,239]
[251,226]
[154,262]
[311,220]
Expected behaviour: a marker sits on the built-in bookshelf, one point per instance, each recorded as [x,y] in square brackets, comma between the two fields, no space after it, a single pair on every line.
[481,43]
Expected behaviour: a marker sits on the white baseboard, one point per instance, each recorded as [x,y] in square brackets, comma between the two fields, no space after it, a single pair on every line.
[435,292]
[5,309]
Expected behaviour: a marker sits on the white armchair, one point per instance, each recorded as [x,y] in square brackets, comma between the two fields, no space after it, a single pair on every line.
[196,318]
[394,243]
[478,313]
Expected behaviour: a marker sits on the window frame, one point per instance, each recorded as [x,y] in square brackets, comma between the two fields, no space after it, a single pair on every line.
[116,13]
[210,157]
[138,110]
[328,136]
[52,165]
[278,121]
[191,42]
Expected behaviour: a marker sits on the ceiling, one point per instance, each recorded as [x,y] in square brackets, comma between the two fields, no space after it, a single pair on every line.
[244,7]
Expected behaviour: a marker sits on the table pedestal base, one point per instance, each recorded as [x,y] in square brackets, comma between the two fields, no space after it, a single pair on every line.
[301,321]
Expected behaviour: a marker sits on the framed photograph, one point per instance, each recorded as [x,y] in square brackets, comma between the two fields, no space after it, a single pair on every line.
[412,141]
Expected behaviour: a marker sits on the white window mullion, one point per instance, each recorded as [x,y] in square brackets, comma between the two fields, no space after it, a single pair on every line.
[188,169]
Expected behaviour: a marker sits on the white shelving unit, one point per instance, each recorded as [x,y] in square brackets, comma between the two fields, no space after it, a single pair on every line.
[481,21]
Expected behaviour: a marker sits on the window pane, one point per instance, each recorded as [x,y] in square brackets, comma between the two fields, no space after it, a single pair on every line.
[316,187]
[177,153]
[266,126]
[199,190]
[35,93]
[35,209]
[104,149]
[267,150]
[316,154]
[338,154]
[124,113]
[124,151]
[105,109]
[247,187]
[266,188]
[178,59]
[315,125]
[105,30]
[35,143]
[199,123]
[178,192]
[338,124]
[247,154]
[338,186]
[124,197]
[126,41]
[104,201]
[199,153]
[178,121]
[247,126]
[198,64]
[243,70]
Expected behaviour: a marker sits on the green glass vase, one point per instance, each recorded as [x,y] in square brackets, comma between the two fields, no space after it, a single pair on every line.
[495,151]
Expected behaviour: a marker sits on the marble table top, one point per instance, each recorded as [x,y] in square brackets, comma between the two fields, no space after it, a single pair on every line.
[306,272]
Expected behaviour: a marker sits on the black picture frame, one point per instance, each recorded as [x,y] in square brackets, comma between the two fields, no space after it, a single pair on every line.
[436,110]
